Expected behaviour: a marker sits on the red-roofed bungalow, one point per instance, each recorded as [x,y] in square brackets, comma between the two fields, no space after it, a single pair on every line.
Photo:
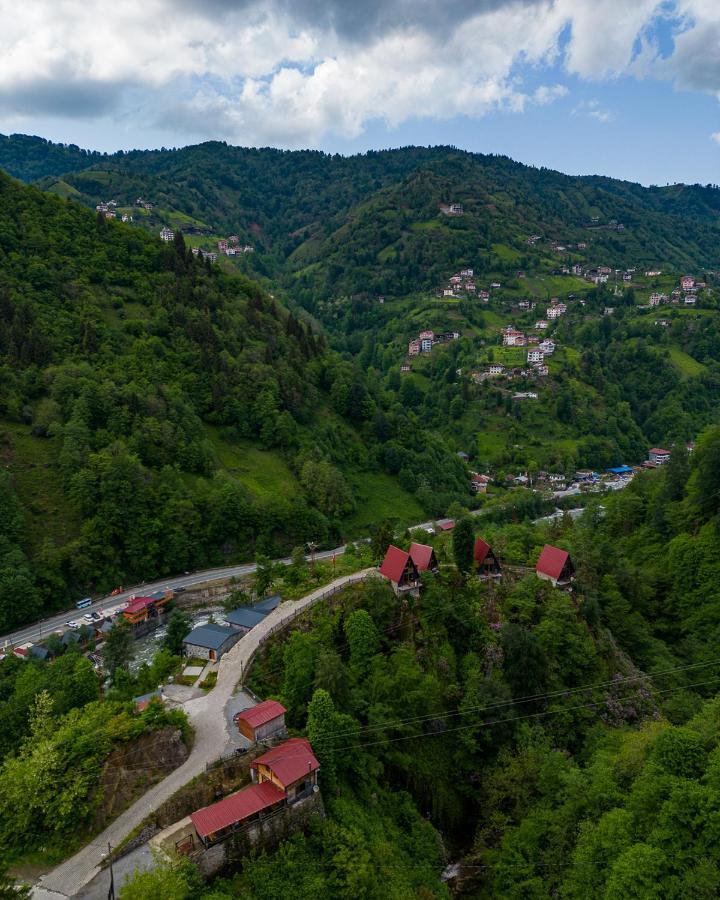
[291,766]
[399,568]
[262,721]
[217,821]
[139,609]
[555,565]
[423,556]
[488,565]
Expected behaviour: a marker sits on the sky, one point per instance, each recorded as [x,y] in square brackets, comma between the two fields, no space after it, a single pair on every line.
[627,88]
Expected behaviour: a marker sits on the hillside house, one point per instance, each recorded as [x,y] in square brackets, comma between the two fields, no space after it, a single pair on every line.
[446,336]
[535,355]
[690,300]
[555,566]
[167,235]
[541,369]
[479,483]
[687,282]
[653,273]
[456,209]
[470,287]
[448,292]
[554,312]
[576,269]
[424,557]
[496,285]
[658,456]
[426,338]
[399,568]
[291,766]
[406,367]
[467,273]
[496,369]
[541,324]
[414,348]
[484,295]
[547,346]
[488,565]
[261,722]
[210,641]
[512,338]
[218,821]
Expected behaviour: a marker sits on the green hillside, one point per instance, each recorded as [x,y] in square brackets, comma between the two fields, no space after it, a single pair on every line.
[158,414]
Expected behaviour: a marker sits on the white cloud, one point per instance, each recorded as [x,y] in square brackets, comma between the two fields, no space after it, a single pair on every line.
[275,71]
[715,136]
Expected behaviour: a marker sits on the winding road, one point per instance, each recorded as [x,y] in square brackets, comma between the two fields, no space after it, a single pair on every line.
[207,716]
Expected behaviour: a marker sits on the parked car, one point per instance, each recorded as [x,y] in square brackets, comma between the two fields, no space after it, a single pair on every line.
[89,616]
[95,616]
[118,590]
[71,624]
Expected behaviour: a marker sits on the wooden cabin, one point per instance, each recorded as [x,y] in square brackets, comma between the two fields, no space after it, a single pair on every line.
[488,565]
[424,557]
[555,566]
[398,567]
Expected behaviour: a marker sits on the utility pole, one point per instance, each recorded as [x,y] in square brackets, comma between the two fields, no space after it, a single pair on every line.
[311,547]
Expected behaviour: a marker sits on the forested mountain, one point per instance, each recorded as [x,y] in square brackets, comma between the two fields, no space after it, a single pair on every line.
[30,158]
[157,413]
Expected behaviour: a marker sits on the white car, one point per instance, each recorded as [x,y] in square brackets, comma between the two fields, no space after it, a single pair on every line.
[88,616]
[72,624]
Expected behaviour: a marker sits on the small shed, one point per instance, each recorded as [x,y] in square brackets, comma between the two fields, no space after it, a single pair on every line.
[210,641]
[555,566]
[423,556]
[399,568]
[488,565]
[263,721]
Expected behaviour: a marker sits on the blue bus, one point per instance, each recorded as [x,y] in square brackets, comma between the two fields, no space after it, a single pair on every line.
[83,604]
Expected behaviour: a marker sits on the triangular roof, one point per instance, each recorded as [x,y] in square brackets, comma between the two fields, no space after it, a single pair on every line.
[482,548]
[552,561]
[421,555]
[394,563]
[289,761]
[236,807]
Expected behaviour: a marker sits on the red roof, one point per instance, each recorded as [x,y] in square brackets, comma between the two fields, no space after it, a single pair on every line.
[482,548]
[262,713]
[658,450]
[552,561]
[394,563]
[139,603]
[236,807]
[447,526]
[289,761]
[421,555]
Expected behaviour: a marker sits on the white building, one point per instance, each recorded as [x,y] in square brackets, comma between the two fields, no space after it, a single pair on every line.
[547,346]
[167,235]
[535,355]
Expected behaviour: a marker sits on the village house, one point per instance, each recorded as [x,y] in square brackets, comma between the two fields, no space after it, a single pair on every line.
[656,299]
[512,337]
[262,722]
[406,367]
[653,273]
[455,279]
[479,483]
[399,568]
[495,284]
[470,287]
[690,300]
[582,245]
[488,565]
[456,209]
[222,246]
[167,235]
[547,346]
[576,269]
[496,369]
[541,324]
[535,355]
[658,456]
[414,348]
[555,566]
[446,336]
[423,556]
[467,273]
[541,369]
[556,310]
[142,609]
[448,292]
[484,295]
[687,282]
[291,766]
[427,339]
[210,641]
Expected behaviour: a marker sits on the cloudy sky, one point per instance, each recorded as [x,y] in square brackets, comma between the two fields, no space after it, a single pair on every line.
[629,88]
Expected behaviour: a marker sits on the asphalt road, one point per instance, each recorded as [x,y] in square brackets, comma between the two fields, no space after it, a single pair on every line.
[40,630]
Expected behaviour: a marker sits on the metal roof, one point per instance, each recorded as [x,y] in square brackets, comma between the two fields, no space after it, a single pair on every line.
[268,604]
[394,563]
[289,761]
[211,636]
[236,807]
[481,550]
[422,555]
[262,713]
[552,561]
[245,616]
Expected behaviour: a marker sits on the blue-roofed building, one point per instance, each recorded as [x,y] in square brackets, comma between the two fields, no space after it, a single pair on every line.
[210,641]
[268,604]
[244,618]
[620,470]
